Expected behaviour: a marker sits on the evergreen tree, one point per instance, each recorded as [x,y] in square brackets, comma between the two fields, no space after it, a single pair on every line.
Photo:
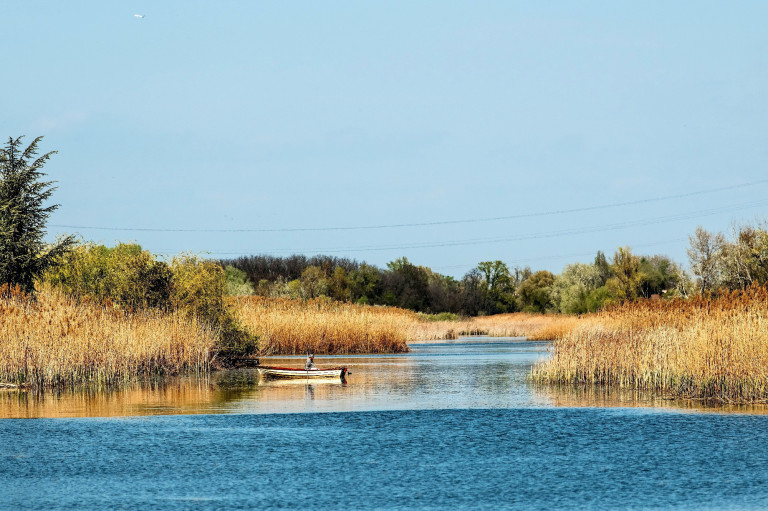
[23,254]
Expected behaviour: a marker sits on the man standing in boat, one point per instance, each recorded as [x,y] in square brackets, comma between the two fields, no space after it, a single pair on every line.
[310,363]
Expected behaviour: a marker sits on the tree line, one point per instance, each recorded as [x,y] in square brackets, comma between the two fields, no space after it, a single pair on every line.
[133,278]
[717,261]
[492,287]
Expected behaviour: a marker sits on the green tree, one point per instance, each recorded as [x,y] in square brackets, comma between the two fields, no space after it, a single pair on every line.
[472,291]
[198,290]
[407,285]
[627,278]
[339,284]
[313,282]
[536,292]
[24,255]
[127,275]
[365,284]
[603,267]
[572,287]
[499,289]
[661,275]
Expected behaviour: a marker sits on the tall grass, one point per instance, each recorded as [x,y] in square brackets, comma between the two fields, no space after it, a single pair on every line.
[293,326]
[57,340]
[518,324]
[707,348]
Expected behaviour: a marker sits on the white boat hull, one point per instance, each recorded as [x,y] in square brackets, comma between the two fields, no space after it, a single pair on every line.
[286,372]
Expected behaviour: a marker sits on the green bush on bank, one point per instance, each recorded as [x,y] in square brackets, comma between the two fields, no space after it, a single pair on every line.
[440,316]
[130,278]
[237,283]
[125,276]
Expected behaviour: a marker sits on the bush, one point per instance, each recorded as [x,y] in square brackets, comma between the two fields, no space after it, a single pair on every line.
[198,290]
[441,316]
[130,278]
[125,275]
[236,282]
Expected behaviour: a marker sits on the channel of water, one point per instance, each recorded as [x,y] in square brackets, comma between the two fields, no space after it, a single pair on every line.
[451,425]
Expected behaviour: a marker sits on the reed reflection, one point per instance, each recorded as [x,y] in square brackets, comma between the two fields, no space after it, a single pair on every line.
[172,396]
[601,396]
[468,375]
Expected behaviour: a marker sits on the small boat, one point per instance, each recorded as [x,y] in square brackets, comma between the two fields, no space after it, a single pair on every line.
[294,372]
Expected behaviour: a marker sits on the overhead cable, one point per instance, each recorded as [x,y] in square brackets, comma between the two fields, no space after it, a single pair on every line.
[519,237]
[426,224]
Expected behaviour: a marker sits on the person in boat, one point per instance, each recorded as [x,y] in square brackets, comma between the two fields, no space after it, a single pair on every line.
[310,363]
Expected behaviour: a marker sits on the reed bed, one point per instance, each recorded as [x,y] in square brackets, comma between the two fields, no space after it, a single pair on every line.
[518,324]
[293,326]
[707,348]
[57,340]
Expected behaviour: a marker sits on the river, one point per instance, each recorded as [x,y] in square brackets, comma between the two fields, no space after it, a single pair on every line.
[451,425]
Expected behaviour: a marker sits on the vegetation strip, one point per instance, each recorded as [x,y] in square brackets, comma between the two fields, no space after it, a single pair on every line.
[712,348]
[81,312]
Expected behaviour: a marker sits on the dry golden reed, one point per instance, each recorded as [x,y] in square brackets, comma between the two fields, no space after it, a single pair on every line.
[294,326]
[56,340]
[518,324]
[712,348]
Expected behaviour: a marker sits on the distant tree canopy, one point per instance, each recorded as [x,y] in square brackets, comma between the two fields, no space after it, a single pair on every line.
[492,287]
[24,255]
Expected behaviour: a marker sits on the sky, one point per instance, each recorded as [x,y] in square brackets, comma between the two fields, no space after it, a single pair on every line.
[447,132]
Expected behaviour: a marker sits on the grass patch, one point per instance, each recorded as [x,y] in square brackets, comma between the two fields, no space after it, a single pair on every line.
[295,326]
[709,348]
[55,340]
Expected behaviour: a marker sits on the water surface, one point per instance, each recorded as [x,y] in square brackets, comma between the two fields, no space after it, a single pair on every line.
[448,426]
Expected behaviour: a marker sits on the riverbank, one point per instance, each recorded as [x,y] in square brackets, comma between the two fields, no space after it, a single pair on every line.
[322,326]
[713,349]
[55,340]
[536,327]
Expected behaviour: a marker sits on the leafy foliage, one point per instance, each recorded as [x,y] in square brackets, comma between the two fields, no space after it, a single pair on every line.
[536,292]
[573,286]
[24,255]
[493,287]
[499,291]
[125,275]
[130,278]
[627,278]
[237,283]
[198,290]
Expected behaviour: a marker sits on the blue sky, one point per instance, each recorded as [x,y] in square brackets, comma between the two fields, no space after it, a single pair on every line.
[448,132]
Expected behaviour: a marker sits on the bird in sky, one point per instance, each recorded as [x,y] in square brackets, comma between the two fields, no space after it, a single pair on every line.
[138,16]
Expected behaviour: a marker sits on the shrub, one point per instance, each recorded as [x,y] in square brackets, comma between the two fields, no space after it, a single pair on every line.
[198,290]
[125,275]
[236,282]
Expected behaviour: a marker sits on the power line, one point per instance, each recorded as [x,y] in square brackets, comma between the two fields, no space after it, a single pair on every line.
[427,224]
[521,237]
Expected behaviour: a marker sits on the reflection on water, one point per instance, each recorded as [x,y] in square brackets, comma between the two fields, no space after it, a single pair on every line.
[599,396]
[469,373]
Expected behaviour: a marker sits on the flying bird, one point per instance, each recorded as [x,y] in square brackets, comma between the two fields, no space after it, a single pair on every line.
[138,15]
